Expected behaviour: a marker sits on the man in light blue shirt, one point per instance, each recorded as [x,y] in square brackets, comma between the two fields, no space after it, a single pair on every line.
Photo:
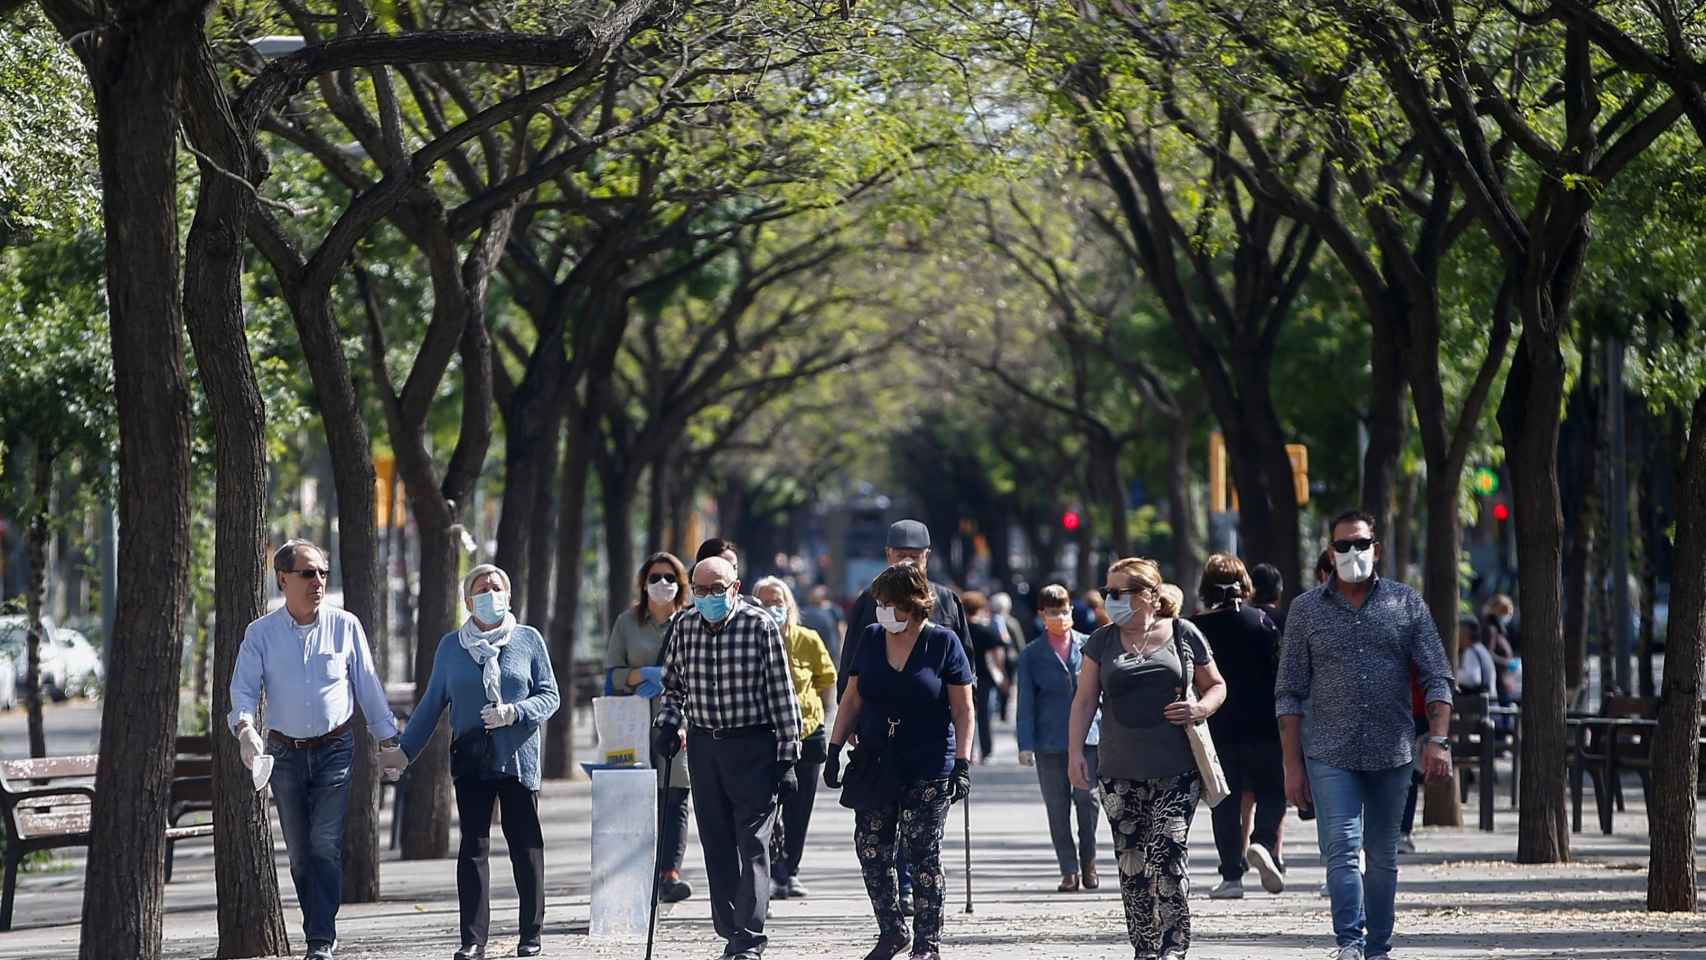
[312,665]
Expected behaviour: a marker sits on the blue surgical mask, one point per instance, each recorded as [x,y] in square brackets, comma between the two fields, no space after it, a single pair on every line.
[1119,611]
[714,608]
[778,614]
[491,606]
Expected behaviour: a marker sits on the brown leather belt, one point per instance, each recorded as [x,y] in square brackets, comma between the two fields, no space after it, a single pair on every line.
[309,743]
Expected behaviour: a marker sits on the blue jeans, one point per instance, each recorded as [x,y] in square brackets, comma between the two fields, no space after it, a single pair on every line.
[312,790]
[1360,809]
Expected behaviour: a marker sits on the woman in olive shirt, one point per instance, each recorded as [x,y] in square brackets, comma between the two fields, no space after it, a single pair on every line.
[633,665]
[813,672]
[1133,670]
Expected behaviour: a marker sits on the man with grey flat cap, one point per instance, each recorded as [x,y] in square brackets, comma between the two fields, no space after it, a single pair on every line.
[908,542]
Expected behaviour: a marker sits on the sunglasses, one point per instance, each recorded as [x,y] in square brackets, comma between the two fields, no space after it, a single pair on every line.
[660,578]
[1115,593]
[1359,544]
[711,591]
[312,573]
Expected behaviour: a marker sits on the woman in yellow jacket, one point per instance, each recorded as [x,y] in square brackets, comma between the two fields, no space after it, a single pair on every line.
[814,683]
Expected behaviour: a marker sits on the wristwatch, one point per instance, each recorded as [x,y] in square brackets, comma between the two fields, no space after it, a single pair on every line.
[1442,742]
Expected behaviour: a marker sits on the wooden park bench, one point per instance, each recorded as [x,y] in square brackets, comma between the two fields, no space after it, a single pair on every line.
[45,805]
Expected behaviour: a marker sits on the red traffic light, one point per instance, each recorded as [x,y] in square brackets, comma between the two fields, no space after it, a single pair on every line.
[1501,512]
[1070,520]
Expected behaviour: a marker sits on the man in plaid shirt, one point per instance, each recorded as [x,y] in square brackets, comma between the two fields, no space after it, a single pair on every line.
[726,676]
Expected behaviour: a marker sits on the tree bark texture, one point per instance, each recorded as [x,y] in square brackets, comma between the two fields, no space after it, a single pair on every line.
[1439,583]
[541,544]
[1671,877]
[134,64]
[582,424]
[251,917]
[1580,444]
[1528,416]
[426,813]
[616,485]
[35,594]
[1388,424]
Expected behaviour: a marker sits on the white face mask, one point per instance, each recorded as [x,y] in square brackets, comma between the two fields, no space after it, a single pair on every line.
[890,621]
[1355,566]
[663,591]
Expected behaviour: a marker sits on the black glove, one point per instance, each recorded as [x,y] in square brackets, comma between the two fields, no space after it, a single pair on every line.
[832,767]
[666,742]
[959,782]
[787,781]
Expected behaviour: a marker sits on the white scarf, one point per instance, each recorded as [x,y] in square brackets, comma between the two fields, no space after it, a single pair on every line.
[484,647]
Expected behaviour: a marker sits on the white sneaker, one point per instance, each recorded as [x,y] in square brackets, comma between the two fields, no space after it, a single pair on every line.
[1406,845]
[1227,890]
[1352,952]
[1264,863]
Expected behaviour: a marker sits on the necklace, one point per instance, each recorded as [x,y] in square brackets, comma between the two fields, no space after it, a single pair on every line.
[1143,653]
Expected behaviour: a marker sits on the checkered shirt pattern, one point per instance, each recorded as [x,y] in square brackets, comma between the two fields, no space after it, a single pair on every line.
[735,676]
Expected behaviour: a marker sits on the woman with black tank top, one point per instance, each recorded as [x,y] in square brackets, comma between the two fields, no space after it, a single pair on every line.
[1135,669]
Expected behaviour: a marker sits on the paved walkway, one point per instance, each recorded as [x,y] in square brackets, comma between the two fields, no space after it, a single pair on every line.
[1460,897]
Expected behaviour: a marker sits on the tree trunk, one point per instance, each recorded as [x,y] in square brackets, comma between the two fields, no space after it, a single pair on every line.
[1528,418]
[1439,585]
[347,440]
[1388,422]
[1105,467]
[1180,478]
[1671,880]
[516,521]
[571,532]
[657,499]
[617,489]
[41,488]
[541,545]
[135,67]
[1404,527]
[1580,442]
[251,918]
[426,815]
[1653,457]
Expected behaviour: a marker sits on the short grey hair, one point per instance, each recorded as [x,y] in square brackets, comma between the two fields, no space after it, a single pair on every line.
[787,597]
[480,571]
[284,558]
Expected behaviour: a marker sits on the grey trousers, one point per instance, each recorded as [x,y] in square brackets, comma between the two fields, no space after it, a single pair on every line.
[1060,797]
[734,802]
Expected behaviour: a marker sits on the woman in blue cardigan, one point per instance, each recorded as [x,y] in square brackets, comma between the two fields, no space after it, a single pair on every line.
[495,676]
[1048,680]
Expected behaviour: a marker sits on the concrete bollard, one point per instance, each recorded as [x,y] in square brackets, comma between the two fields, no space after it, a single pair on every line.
[624,852]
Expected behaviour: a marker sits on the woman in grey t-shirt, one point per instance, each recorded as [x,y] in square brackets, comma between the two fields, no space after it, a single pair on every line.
[1133,672]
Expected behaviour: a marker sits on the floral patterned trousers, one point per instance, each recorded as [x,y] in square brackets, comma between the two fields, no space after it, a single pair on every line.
[1151,822]
[916,821]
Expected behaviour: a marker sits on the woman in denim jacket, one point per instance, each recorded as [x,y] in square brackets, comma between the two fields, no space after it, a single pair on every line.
[1047,681]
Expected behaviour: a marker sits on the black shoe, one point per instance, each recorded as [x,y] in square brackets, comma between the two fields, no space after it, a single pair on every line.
[319,950]
[890,946]
[906,904]
[529,948]
[470,951]
[673,891]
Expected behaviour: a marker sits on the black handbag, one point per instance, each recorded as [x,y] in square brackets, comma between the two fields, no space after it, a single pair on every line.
[871,781]
[473,754]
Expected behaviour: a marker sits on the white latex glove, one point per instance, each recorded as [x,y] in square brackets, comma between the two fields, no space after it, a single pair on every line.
[392,761]
[249,745]
[499,715]
[1027,758]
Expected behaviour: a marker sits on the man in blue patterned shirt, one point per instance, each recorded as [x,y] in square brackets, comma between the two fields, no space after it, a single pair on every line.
[1348,648]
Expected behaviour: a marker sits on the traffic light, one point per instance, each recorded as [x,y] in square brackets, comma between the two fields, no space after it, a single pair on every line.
[1070,520]
[1501,512]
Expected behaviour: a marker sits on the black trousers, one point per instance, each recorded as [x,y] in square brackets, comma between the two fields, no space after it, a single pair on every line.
[788,840]
[672,828]
[734,802]
[475,799]
[1255,766]
[981,696]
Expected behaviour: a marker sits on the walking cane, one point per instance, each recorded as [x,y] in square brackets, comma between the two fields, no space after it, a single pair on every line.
[966,803]
[652,921]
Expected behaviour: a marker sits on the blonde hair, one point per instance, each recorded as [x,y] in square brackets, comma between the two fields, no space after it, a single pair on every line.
[1172,600]
[793,619]
[1142,569]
